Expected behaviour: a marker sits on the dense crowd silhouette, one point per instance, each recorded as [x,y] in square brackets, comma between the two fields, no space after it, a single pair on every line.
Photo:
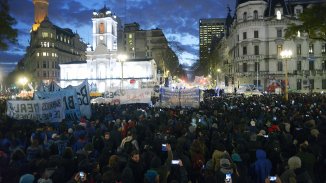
[228,139]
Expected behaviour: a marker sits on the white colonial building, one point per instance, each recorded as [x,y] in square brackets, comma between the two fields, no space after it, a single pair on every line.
[103,69]
[256,40]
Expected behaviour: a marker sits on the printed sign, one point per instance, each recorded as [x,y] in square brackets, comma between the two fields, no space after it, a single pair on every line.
[180,97]
[69,99]
[125,96]
[47,110]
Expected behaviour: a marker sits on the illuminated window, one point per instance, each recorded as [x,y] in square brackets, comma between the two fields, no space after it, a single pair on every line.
[44,54]
[311,48]
[45,34]
[38,54]
[299,34]
[101,28]
[278,15]
[323,48]
[130,36]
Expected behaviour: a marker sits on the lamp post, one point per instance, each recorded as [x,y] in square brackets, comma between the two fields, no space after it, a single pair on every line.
[122,59]
[286,55]
[217,76]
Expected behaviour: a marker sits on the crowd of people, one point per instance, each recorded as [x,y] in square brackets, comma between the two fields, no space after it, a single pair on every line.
[227,139]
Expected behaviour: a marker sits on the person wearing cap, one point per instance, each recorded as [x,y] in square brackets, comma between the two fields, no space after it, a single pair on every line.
[295,172]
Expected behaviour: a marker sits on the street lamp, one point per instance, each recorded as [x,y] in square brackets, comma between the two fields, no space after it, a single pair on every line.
[286,55]
[122,58]
[23,81]
[217,76]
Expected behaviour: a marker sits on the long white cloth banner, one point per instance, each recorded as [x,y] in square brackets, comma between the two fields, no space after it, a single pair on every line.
[69,99]
[82,91]
[180,97]
[47,110]
[126,96]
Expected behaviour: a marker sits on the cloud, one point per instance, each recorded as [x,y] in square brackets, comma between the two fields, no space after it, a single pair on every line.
[177,18]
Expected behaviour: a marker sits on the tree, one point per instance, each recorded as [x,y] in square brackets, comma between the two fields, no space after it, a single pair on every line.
[7,33]
[313,22]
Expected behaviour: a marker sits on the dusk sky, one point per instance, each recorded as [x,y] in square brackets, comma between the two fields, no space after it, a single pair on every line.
[177,18]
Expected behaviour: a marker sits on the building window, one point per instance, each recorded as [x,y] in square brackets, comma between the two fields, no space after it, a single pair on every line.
[323,65]
[323,85]
[279,49]
[279,66]
[256,35]
[244,67]
[299,49]
[44,64]
[101,29]
[311,65]
[256,50]
[299,65]
[255,15]
[311,48]
[299,84]
[279,33]
[278,15]
[323,48]
[245,16]
[44,54]
[312,84]
[130,36]
[37,54]
[238,37]
[45,34]
[244,50]
[244,35]
[44,73]
[38,65]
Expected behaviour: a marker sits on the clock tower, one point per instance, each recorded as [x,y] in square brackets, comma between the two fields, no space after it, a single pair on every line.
[105,29]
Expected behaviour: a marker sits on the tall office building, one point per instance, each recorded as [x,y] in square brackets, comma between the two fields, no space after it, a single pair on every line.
[138,44]
[210,30]
[50,46]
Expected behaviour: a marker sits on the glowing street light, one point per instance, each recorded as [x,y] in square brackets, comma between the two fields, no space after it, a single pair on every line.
[286,55]
[217,76]
[23,81]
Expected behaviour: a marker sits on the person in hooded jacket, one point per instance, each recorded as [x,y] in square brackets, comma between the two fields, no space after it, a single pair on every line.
[261,168]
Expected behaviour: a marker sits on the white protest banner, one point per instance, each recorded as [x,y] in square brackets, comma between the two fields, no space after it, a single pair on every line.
[69,99]
[126,96]
[84,98]
[47,110]
[180,97]
[136,96]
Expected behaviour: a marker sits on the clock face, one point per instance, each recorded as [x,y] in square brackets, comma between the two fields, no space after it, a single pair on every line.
[101,37]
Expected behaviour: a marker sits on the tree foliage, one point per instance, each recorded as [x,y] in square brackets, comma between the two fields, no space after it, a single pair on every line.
[7,33]
[313,22]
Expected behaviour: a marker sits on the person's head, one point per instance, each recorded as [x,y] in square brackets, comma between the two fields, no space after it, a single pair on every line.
[134,156]
[114,161]
[294,162]
[107,135]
